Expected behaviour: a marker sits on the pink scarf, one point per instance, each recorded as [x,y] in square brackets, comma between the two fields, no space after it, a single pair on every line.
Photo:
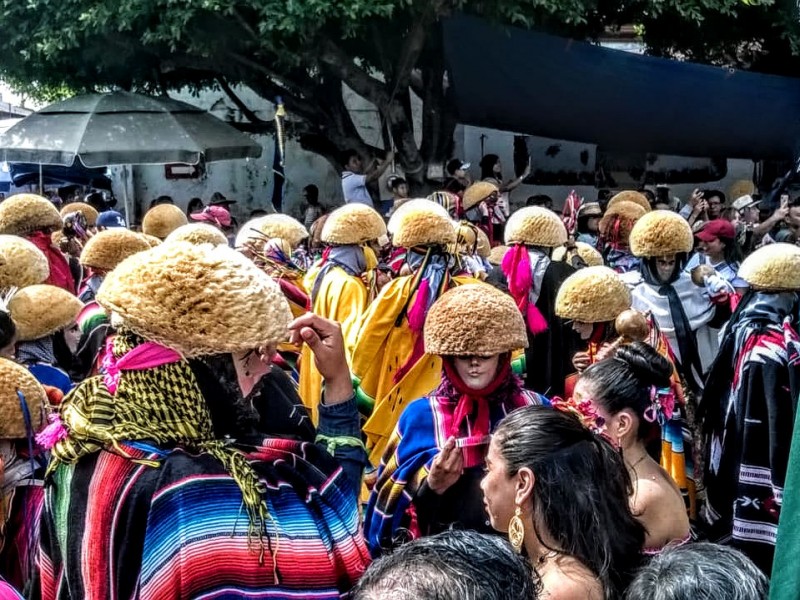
[145,356]
[60,273]
[471,422]
[517,269]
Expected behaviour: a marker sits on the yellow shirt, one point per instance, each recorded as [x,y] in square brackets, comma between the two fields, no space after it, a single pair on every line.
[341,298]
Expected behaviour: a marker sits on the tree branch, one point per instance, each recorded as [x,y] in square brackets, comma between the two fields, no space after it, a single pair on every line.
[355,77]
[251,116]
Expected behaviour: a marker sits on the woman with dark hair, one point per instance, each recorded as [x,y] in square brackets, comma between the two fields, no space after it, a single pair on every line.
[195,206]
[561,492]
[632,394]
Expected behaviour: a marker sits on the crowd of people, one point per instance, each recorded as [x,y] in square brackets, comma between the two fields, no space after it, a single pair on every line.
[463,402]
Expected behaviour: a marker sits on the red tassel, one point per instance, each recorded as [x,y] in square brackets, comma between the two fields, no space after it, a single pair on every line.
[536,321]
[416,316]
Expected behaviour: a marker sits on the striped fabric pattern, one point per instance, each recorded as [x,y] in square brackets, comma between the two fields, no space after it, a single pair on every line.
[180,530]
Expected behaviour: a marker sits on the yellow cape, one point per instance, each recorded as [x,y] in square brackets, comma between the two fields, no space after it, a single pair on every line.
[381,349]
[341,298]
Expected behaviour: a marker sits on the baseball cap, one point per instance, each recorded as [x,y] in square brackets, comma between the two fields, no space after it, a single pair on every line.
[110,219]
[590,209]
[744,202]
[717,229]
[214,214]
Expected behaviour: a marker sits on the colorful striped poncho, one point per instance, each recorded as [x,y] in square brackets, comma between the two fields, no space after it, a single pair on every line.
[401,501]
[117,528]
[749,407]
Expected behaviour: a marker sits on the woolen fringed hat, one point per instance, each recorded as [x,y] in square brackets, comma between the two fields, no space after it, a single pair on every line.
[87,210]
[773,268]
[421,223]
[536,226]
[616,225]
[741,187]
[108,248]
[18,421]
[483,247]
[592,295]
[42,310]
[197,233]
[497,254]
[630,196]
[282,227]
[151,240]
[588,254]
[21,263]
[661,233]
[474,320]
[163,219]
[22,214]
[197,299]
[477,193]
[353,224]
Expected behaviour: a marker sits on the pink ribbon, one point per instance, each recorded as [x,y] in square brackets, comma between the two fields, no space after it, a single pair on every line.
[145,356]
[662,404]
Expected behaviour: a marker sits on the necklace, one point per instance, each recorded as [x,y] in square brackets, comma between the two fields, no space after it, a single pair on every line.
[632,467]
[545,557]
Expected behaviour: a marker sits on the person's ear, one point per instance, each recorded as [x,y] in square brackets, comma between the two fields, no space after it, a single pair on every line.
[523,492]
[625,423]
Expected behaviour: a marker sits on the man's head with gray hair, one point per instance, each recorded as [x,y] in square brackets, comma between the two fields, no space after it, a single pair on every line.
[454,565]
[700,571]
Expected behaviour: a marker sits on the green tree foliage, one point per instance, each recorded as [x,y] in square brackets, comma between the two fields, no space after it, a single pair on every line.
[303,50]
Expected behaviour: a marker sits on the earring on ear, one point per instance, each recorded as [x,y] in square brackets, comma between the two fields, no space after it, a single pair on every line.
[516,530]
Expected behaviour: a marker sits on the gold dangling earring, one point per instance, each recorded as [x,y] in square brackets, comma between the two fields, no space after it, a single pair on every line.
[516,530]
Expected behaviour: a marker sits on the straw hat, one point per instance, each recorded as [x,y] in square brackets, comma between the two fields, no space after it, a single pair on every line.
[196,299]
[108,248]
[41,310]
[421,223]
[163,219]
[197,233]
[353,224]
[477,193]
[21,263]
[774,267]
[15,378]
[630,196]
[497,254]
[590,209]
[592,295]
[87,210]
[536,226]
[590,255]
[741,187]
[474,320]
[661,233]
[21,214]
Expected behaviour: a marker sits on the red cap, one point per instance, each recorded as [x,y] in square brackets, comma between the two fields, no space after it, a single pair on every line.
[215,214]
[717,229]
